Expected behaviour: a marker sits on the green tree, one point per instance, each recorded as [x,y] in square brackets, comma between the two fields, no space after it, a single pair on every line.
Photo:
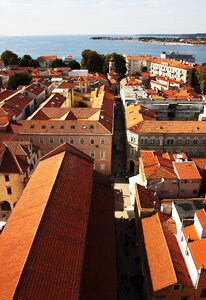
[92,61]
[28,61]
[9,57]
[58,63]
[201,77]
[73,64]
[120,63]
[18,79]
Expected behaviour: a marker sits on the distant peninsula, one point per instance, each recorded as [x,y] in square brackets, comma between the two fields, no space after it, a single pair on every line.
[193,39]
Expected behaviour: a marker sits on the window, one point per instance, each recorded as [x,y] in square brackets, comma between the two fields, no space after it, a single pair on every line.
[32,126]
[71,141]
[52,126]
[170,142]
[81,141]
[9,192]
[184,298]
[72,126]
[61,140]
[41,140]
[31,140]
[51,141]
[132,152]
[84,126]
[102,141]
[195,142]
[176,287]
[6,177]
[62,127]
[92,153]
[102,154]
[91,126]
[92,141]
[43,127]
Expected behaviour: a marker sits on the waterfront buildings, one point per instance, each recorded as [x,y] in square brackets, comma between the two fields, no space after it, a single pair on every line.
[172,69]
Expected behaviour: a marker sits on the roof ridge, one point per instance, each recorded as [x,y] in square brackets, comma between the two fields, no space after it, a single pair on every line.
[165,241]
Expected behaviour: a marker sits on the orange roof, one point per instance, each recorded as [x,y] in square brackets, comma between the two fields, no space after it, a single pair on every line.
[51,57]
[187,170]
[196,245]
[162,273]
[201,215]
[140,57]
[157,127]
[171,63]
[157,166]
[138,113]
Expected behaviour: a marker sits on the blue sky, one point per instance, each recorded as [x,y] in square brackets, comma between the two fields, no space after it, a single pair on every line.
[47,17]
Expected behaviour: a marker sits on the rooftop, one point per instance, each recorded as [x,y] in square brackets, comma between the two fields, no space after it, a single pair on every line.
[175,127]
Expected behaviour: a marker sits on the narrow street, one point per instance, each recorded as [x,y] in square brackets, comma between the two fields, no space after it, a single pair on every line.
[119,145]
[127,261]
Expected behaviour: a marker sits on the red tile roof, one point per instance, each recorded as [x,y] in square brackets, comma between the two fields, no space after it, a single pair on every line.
[98,277]
[147,198]
[34,89]
[55,100]
[5,94]
[169,229]
[201,215]
[187,170]
[196,245]
[156,166]
[157,127]
[161,271]
[48,232]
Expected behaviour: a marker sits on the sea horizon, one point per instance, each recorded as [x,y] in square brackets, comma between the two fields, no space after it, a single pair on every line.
[74,44]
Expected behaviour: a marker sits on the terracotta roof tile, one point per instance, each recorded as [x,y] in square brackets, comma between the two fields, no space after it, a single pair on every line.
[44,232]
[98,277]
[185,127]
[201,215]
[147,198]
[197,246]
[187,170]
[162,272]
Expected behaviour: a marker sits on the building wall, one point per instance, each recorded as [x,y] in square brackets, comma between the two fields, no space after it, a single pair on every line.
[194,145]
[16,183]
[189,188]
[134,66]
[170,293]
[165,189]
[184,75]
[103,165]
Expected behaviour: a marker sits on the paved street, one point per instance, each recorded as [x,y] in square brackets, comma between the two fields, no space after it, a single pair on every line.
[119,151]
[128,272]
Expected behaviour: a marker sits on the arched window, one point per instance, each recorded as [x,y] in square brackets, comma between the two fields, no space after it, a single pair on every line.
[81,141]
[71,141]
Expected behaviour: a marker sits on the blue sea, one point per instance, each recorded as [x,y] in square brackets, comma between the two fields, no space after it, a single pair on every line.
[74,44]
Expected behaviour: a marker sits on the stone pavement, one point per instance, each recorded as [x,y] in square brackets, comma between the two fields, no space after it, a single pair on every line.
[129,278]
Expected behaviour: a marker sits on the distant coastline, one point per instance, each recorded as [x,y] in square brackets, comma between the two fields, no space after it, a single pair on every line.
[171,41]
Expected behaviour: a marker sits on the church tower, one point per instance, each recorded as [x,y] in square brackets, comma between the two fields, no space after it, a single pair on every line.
[111,65]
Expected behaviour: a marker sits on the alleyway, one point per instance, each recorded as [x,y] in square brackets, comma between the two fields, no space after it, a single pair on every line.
[128,271]
[119,148]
